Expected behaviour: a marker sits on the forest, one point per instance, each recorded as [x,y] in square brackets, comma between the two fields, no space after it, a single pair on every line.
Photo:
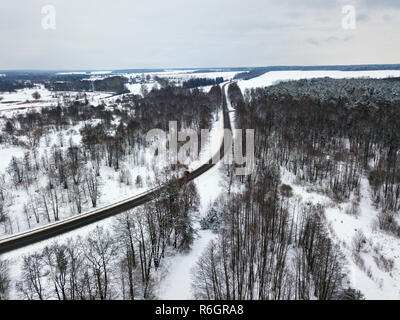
[114,84]
[7,85]
[198,82]
[329,134]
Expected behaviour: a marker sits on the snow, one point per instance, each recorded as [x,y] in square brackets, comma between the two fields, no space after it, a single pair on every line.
[112,189]
[101,72]
[136,88]
[271,78]
[71,73]
[178,76]
[177,284]
[6,155]
[21,99]
[181,77]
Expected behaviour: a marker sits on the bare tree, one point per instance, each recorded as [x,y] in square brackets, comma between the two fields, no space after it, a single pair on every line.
[31,285]
[4,280]
[92,184]
[56,258]
[126,232]
[100,251]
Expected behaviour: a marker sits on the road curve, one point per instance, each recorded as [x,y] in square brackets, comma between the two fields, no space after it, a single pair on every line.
[57,228]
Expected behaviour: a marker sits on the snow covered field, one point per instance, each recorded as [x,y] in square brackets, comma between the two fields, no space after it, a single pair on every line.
[136,88]
[178,76]
[271,78]
[23,99]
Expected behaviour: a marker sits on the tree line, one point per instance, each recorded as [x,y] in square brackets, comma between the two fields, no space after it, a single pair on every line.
[200,82]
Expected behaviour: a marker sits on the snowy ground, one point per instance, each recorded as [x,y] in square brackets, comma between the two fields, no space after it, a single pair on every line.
[6,154]
[22,99]
[227,75]
[271,78]
[136,88]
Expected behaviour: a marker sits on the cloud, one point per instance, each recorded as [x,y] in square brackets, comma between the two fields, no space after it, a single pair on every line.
[313,42]
[103,34]
[387,18]
[362,17]
[387,4]
[329,40]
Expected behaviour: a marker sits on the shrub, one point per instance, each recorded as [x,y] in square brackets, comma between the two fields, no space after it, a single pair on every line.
[212,221]
[139,181]
[36,95]
[359,241]
[286,190]
[351,294]
[388,223]
[353,209]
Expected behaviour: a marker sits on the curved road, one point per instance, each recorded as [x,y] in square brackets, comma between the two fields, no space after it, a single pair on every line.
[32,236]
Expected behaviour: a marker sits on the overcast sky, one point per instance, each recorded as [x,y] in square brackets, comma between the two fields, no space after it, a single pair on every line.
[115,34]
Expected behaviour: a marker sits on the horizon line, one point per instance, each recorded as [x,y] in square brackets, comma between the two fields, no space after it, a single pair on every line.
[205,68]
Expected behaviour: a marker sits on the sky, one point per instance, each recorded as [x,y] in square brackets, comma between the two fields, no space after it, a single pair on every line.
[121,34]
